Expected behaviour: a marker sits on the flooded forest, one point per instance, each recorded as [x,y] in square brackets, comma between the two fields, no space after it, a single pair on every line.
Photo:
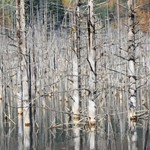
[74,74]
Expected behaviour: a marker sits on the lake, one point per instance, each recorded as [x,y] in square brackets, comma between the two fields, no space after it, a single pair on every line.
[73,138]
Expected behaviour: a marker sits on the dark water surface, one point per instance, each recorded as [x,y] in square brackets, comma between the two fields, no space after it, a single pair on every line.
[72,139]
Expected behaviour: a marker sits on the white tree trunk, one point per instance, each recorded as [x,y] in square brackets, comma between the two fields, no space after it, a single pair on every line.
[20,132]
[75,107]
[131,62]
[22,75]
[76,97]
[27,138]
[92,64]
[1,114]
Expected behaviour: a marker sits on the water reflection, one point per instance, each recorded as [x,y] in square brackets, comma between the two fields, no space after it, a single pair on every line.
[27,138]
[92,140]
[20,132]
[132,140]
[76,138]
[76,132]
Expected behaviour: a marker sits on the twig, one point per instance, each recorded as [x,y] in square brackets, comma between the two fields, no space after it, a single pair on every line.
[9,118]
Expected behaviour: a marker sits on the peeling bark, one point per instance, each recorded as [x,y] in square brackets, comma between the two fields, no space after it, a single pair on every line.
[92,64]
[131,62]
[76,64]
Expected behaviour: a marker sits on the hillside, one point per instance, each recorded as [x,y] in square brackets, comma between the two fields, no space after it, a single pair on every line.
[57,8]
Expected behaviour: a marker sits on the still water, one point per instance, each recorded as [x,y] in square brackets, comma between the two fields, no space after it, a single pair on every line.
[74,138]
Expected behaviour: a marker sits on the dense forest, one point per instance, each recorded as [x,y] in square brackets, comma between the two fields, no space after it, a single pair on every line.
[75,64]
[58,8]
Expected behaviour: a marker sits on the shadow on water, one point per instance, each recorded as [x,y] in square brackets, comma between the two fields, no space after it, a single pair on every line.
[75,138]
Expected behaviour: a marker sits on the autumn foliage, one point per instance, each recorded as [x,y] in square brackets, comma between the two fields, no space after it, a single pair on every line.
[5,20]
[143,14]
[68,4]
[142,9]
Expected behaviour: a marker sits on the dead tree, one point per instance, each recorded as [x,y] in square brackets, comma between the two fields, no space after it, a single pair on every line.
[131,63]
[92,64]
[23,96]
[76,63]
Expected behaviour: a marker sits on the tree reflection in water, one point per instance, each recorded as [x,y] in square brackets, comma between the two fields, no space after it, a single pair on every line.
[76,138]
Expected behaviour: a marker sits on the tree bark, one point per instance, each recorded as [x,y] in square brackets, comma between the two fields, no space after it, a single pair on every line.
[76,63]
[23,96]
[92,64]
[131,63]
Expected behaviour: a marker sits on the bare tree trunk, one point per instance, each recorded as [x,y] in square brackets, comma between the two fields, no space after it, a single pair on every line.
[32,70]
[1,93]
[22,78]
[92,64]
[78,22]
[76,65]
[131,63]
